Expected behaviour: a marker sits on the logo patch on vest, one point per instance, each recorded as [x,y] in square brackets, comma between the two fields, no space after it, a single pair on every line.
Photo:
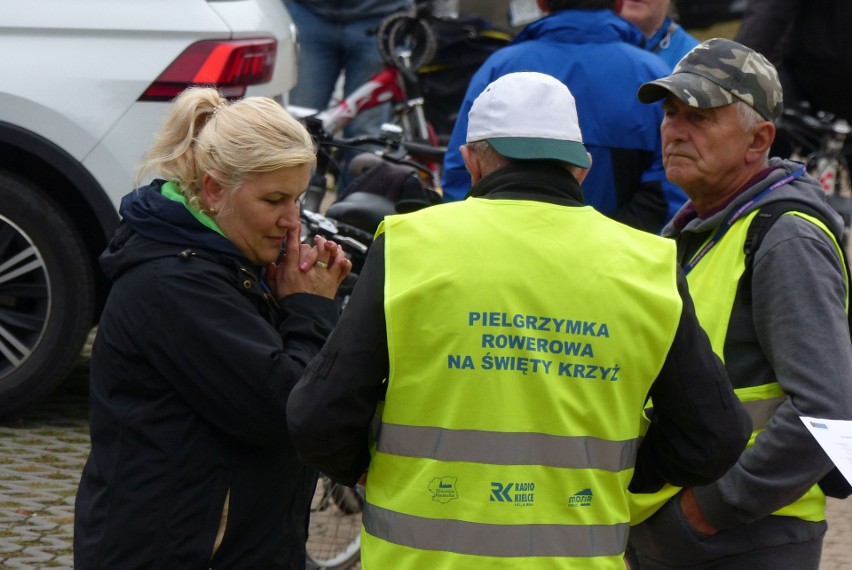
[443,489]
[518,494]
[581,498]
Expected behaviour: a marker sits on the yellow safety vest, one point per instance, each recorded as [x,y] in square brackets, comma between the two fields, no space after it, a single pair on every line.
[713,284]
[520,361]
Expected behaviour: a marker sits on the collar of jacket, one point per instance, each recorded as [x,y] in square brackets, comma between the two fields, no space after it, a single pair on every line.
[250,279]
[662,37]
[582,27]
[542,181]
[804,189]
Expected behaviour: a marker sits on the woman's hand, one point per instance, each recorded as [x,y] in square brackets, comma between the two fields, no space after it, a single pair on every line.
[318,270]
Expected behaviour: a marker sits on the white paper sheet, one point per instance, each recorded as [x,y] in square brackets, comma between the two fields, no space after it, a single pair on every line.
[835,437]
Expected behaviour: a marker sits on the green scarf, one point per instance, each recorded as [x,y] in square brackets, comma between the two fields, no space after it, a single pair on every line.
[171,191]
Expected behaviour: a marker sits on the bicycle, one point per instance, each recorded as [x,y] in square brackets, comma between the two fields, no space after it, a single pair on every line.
[353,218]
[389,144]
[334,536]
[409,41]
[820,141]
[406,41]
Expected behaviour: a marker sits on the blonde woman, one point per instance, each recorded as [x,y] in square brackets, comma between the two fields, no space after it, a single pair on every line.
[205,331]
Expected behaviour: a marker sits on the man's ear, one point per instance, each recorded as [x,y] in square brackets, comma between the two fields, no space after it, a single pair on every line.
[471,161]
[579,172]
[212,193]
[542,5]
[762,137]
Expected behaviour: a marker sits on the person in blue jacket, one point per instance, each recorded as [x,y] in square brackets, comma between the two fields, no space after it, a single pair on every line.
[598,55]
[664,36]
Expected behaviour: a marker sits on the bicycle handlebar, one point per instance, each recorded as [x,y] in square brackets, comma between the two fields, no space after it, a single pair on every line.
[346,235]
[821,122]
[396,151]
[425,151]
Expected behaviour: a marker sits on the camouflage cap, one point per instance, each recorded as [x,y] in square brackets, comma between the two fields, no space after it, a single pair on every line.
[717,72]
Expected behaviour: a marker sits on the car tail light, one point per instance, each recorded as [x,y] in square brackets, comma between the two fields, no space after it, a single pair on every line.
[229,65]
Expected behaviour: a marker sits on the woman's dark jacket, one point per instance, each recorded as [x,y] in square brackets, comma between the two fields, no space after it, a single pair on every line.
[190,374]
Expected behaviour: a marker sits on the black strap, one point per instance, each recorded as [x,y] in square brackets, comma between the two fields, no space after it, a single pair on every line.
[760,224]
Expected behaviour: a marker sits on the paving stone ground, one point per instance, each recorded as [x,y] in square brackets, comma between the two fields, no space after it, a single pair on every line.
[42,452]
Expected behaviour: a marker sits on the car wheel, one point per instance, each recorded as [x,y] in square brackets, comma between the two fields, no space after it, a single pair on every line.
[46,294]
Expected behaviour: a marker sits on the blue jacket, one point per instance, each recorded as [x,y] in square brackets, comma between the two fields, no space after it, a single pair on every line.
[671,42]
[598,55]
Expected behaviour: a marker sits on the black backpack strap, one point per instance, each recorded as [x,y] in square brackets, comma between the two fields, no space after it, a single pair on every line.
[760,224]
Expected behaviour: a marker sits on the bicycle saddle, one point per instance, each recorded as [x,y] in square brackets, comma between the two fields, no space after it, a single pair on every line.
[364,210]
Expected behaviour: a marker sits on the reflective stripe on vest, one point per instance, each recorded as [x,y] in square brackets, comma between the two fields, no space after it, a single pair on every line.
[517,378]
[760,411]
[713,284]
[508,448]
[493,540]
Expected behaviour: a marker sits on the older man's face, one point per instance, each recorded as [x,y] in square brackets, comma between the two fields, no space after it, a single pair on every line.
[704,150]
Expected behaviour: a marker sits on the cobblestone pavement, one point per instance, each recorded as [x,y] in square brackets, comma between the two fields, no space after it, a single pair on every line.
[42,452]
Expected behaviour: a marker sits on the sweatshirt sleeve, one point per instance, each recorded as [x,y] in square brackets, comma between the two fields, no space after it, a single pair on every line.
[799,300]
[698,427]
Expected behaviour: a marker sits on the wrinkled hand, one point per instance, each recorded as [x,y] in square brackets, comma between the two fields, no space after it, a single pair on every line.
[318,270]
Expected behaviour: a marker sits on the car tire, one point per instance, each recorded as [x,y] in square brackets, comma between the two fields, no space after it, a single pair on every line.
[47,294]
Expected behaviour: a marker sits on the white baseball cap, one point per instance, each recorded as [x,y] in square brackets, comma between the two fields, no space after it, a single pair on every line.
[528,116]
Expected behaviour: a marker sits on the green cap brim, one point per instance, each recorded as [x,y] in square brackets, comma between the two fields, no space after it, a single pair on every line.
[531,148]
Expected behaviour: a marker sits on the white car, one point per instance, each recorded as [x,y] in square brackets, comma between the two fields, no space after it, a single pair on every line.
[84,85]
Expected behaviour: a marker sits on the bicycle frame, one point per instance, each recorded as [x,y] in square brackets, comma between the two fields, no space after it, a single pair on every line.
[384,87]
[397,84]
[388,86]
[819,140]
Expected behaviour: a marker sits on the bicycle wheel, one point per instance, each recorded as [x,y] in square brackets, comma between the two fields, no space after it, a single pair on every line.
[334,538]
[406,41]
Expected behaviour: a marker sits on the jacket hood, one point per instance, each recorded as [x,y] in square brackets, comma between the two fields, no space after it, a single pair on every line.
[155,226]
[582,27]
[801,188]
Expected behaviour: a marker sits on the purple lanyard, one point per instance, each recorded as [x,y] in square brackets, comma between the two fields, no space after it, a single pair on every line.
[723,229]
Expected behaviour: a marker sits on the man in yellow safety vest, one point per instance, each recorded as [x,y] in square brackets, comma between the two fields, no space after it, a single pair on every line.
[777,318]
[508,343]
